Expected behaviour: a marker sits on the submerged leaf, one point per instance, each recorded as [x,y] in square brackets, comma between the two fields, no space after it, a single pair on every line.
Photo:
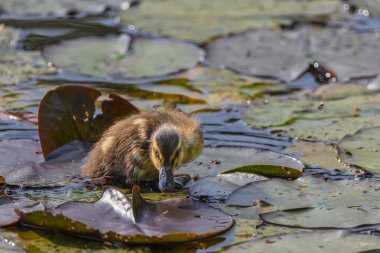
[67,114]
[115,217]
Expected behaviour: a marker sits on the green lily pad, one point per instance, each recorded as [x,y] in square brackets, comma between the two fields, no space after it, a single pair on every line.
[248,229]
[338,91]
[329,130]
[285,111]
[201,21]
[312,120]
[268,171]
[361,149]
[19,66]
[135,220]
[317,155]
[122,57]
[67,113]
[337,241]
[213,161]
[310,202]
[281,55]
[56,8]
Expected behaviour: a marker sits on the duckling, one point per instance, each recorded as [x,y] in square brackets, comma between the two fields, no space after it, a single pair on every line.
[148,146]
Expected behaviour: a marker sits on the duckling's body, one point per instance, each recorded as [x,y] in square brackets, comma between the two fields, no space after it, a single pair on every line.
[146,147]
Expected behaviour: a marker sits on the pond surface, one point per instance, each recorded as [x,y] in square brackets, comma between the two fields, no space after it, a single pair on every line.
[288,84]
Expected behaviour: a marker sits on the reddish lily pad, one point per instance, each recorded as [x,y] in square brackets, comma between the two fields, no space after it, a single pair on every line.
[23,164]
[114,217]
[8,215]
[67,113]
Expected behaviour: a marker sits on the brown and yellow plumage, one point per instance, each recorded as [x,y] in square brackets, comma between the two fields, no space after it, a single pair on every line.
[145,147]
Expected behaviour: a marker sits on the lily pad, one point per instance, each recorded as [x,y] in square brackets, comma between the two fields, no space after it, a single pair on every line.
[339,91]
[329,130]
[219,86]
[23,164]
[201,21]
[337,241]
[281,55]
[310,202]
[269,114]
[122,57]
[213,161]
[56,242]
[348,53]
[56,8]
[317,155]
[8,215]
[361,149]
[19,66]
[135,220]
[67,113]
[268,171]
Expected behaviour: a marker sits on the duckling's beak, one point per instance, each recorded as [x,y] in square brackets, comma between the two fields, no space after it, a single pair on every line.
[166,181]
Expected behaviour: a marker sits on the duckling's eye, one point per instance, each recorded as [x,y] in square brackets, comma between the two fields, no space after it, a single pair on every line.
[156,154]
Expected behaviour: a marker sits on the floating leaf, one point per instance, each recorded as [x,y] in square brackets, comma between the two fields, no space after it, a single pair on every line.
[67,113]
[201,21]
[264,114]
[7,210]
[330,130]
[19,9]
[339,91]
[23,164]
[348,53]
[136,220]
[268,171]
[361,149]
[213,161]
[262,53]
[311,202]
[56,242]
[313,120]
[285,54]
[19,66]
[317,155]
[339,241]
[123,58]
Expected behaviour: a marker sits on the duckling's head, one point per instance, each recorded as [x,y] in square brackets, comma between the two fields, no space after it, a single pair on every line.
[166,154]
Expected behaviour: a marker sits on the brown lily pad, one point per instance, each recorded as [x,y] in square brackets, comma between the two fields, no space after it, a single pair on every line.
[115,217]
[67,114]
[23,164]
